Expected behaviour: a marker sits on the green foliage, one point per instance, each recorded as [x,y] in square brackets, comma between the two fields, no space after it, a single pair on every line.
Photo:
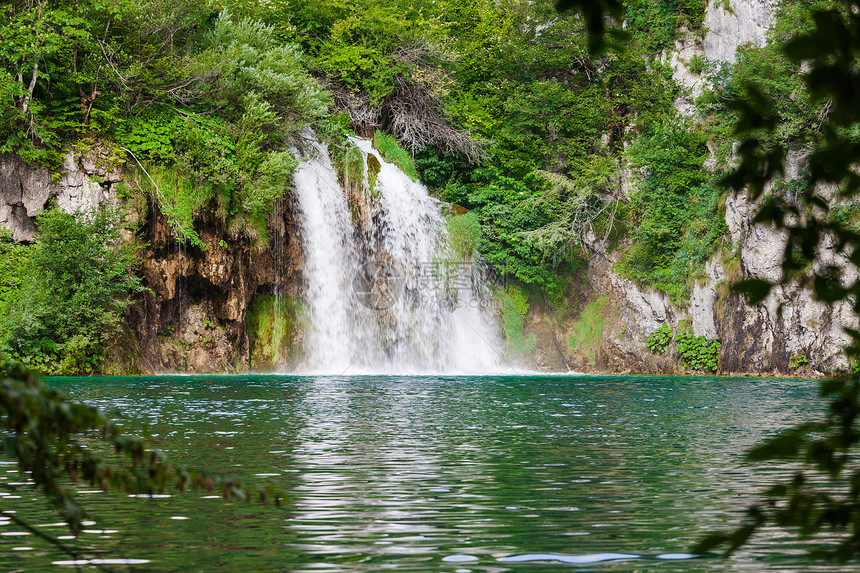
[464,232]
[768,72]
[655,23]
[71,293]
[34,41]
[588,328]
[150,137]
[676,209]
[391,152]
[797,361]
[698,64]
[211,104]
[513,75]
[214,98]
[576,209]
[661,339]
[544,120]
[15,262]
[595,13]
[179,199]
[359,48]
[846,215]
[503,245]
[698,352]
[254,66]
[513,303]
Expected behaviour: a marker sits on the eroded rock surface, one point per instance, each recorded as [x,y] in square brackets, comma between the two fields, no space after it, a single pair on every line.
[26,191]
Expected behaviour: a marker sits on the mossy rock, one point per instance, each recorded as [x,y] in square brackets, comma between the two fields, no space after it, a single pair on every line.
[272,327]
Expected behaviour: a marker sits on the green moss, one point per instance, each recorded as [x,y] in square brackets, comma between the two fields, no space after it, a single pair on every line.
[732,266]
[271,326]
[464,232]
[513,303]
[588,329]
[348,160]
[391,151]
[373,168]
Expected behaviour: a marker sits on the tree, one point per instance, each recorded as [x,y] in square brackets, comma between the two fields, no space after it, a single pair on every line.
[78,280]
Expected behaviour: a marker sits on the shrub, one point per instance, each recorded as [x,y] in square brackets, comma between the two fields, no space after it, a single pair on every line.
[76,288]
[660,340]
[698,64]
[698,352]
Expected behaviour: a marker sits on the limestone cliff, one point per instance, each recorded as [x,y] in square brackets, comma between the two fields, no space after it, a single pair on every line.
[211,309]
[790,333]
[203,311]
[84,180]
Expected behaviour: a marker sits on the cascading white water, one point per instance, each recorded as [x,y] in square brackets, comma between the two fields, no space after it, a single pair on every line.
[328,266]
[391,299]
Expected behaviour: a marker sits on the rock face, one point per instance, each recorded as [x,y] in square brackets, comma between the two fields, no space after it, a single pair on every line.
[790,333]
[26,191]
[193,319]
[734,23]
[789,323]
[728,25]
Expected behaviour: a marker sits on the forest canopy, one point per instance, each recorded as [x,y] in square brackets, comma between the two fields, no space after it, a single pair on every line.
[557,142]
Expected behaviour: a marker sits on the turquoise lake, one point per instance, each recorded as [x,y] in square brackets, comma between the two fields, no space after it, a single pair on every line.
[459,474]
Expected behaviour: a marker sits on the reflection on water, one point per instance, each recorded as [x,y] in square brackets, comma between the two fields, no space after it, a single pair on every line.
[431,474]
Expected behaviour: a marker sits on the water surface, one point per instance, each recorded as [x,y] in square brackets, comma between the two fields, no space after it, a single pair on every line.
[435,474]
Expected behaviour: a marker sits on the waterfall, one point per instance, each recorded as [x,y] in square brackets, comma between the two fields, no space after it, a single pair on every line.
[384,293]
[329,263]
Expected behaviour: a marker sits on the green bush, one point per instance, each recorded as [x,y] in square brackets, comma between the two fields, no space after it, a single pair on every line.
[698,64]
[698,352]
[660,340]
[676,209]
[77,284]
[150,136]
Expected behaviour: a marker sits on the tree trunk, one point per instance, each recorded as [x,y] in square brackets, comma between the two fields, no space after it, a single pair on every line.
[25,105]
